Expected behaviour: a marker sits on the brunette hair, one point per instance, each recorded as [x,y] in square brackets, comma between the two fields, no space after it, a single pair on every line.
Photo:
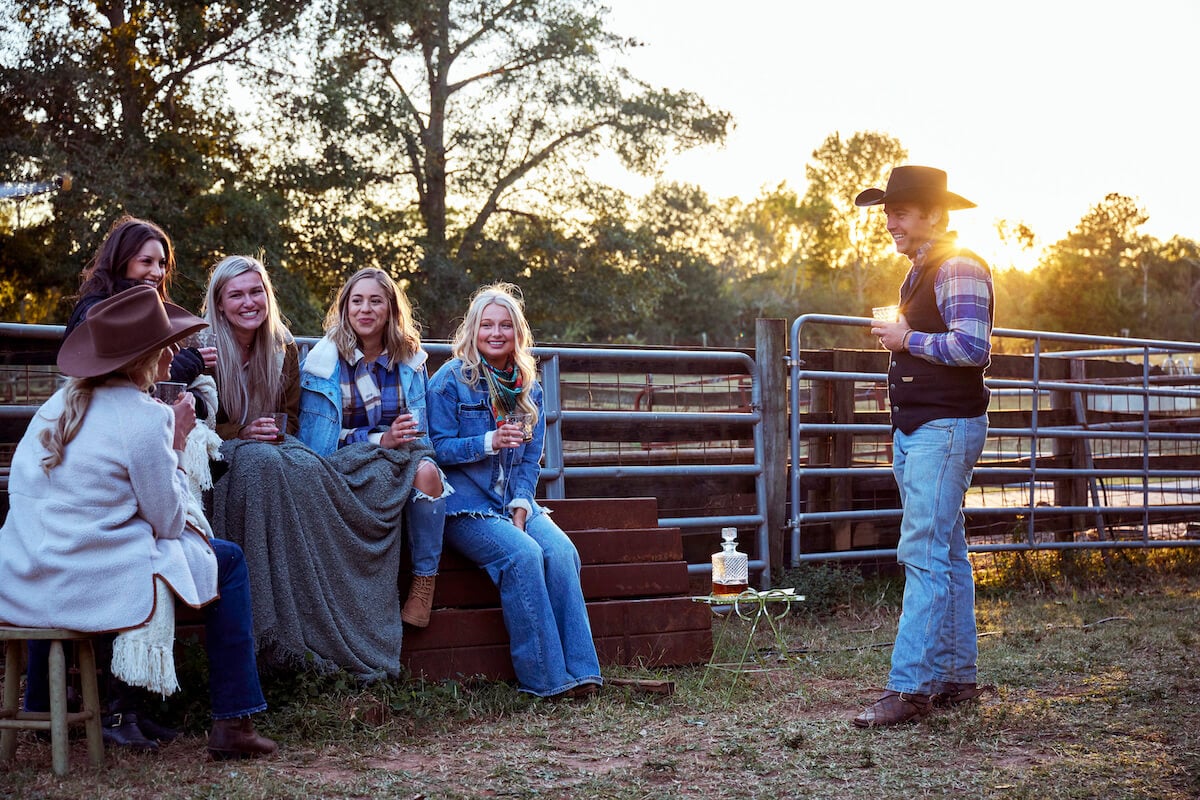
[401,336]
[123,241]
[465,346]
[930,207]
[258,387]
[77,397]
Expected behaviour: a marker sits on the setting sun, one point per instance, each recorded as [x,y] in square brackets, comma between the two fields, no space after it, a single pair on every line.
[1021,103]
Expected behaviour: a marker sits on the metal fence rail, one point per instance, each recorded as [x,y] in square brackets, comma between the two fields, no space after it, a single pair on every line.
[713,404]
[1164,401]
[560,411]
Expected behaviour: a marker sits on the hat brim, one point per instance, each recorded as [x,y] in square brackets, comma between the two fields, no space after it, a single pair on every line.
[78,358]
[877,197]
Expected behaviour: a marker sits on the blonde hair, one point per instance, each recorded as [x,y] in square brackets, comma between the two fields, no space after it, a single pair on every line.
[258,387]
[401,336]
[466,348]
[77,398]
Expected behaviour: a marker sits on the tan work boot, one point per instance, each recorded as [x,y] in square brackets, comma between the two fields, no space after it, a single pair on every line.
[420,601]
[237,738]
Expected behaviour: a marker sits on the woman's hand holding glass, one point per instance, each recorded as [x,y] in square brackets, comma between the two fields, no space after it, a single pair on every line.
[209,354]
[185,418]
[205,342]
[405,428]
[510,434]
[263,428]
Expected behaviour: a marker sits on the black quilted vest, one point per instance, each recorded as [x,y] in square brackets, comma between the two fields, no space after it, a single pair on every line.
[918,390]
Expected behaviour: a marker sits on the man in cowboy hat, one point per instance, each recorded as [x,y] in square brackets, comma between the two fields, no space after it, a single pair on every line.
[940,346]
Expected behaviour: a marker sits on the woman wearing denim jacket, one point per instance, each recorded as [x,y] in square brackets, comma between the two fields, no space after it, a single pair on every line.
[492,517]
[365,381]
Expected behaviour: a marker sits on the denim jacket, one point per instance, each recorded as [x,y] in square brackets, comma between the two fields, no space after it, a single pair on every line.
[460,421]
[321,394]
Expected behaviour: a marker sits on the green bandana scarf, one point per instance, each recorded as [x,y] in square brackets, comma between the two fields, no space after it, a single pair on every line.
[504,389]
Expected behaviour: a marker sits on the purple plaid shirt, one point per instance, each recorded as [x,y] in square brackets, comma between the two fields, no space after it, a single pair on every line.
[963,289]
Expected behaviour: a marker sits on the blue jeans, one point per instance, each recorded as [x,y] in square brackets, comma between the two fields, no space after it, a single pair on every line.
[936,640]
[233,685]
[425,520]
[537,573]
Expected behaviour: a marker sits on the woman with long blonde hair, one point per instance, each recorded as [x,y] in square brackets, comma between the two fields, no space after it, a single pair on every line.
[488,424]
[257,364]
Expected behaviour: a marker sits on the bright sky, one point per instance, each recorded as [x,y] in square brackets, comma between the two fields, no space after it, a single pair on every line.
[1036,108]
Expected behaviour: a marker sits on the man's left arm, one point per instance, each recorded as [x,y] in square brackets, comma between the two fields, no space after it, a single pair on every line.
[963,290]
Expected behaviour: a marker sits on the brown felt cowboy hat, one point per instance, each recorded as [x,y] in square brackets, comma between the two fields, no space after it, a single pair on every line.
[122,329]
[914,183]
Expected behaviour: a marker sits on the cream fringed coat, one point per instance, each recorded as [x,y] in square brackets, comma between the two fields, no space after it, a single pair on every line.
[82,545]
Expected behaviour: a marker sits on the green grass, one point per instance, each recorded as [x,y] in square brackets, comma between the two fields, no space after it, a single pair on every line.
[1097,668]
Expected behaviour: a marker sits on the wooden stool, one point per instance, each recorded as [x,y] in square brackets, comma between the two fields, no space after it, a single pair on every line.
[12,718]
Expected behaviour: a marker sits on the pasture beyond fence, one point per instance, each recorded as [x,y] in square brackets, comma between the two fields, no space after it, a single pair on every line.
[1087,448]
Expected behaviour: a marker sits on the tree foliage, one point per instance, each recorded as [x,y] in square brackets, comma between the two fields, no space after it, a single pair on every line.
[127,97]
[1096,266]
[850,240]
[449,142]
[477,109]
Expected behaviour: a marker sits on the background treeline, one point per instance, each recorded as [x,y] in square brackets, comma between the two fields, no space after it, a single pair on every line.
[452,142]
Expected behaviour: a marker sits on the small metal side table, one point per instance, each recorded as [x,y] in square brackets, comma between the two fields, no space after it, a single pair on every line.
[754,608]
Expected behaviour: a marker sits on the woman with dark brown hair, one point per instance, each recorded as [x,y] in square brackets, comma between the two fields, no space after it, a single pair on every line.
[136,252]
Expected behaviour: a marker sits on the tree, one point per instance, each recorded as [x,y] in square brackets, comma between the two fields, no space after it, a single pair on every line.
[477,109]
[1170,287]
[1097,265]
[849,240]
[128,97]
[619,274]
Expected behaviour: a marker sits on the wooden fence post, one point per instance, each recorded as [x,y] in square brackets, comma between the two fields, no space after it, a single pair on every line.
[771,354]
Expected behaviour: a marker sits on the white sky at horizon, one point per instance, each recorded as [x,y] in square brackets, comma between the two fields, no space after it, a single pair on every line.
[1036,110]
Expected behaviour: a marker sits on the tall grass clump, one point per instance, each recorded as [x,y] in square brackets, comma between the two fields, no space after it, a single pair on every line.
[1066,571]
[826,587]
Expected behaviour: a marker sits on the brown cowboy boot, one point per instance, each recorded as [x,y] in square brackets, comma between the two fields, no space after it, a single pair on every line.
[237,738]
[946,694]
[420,601]
[894,708]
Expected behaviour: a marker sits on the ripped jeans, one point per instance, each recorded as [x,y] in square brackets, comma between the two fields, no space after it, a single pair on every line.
[425,520]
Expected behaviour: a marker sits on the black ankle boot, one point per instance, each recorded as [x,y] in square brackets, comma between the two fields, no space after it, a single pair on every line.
[121,730]
[156,732]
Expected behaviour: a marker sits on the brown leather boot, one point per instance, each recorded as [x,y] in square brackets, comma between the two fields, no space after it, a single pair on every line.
[237,738]
[894,708]
[420,601]
[946,694]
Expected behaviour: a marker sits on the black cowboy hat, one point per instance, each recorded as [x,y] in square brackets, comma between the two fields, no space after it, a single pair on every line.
[914,183]
[121,329]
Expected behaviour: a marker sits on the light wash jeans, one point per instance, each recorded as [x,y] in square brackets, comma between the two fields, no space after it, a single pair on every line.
[424,519]
[936,640]
[537,573]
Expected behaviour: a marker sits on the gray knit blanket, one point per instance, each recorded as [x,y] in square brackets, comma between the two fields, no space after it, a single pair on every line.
[322,541]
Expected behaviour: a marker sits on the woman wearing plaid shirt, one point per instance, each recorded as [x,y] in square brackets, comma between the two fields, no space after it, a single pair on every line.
[365,381]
